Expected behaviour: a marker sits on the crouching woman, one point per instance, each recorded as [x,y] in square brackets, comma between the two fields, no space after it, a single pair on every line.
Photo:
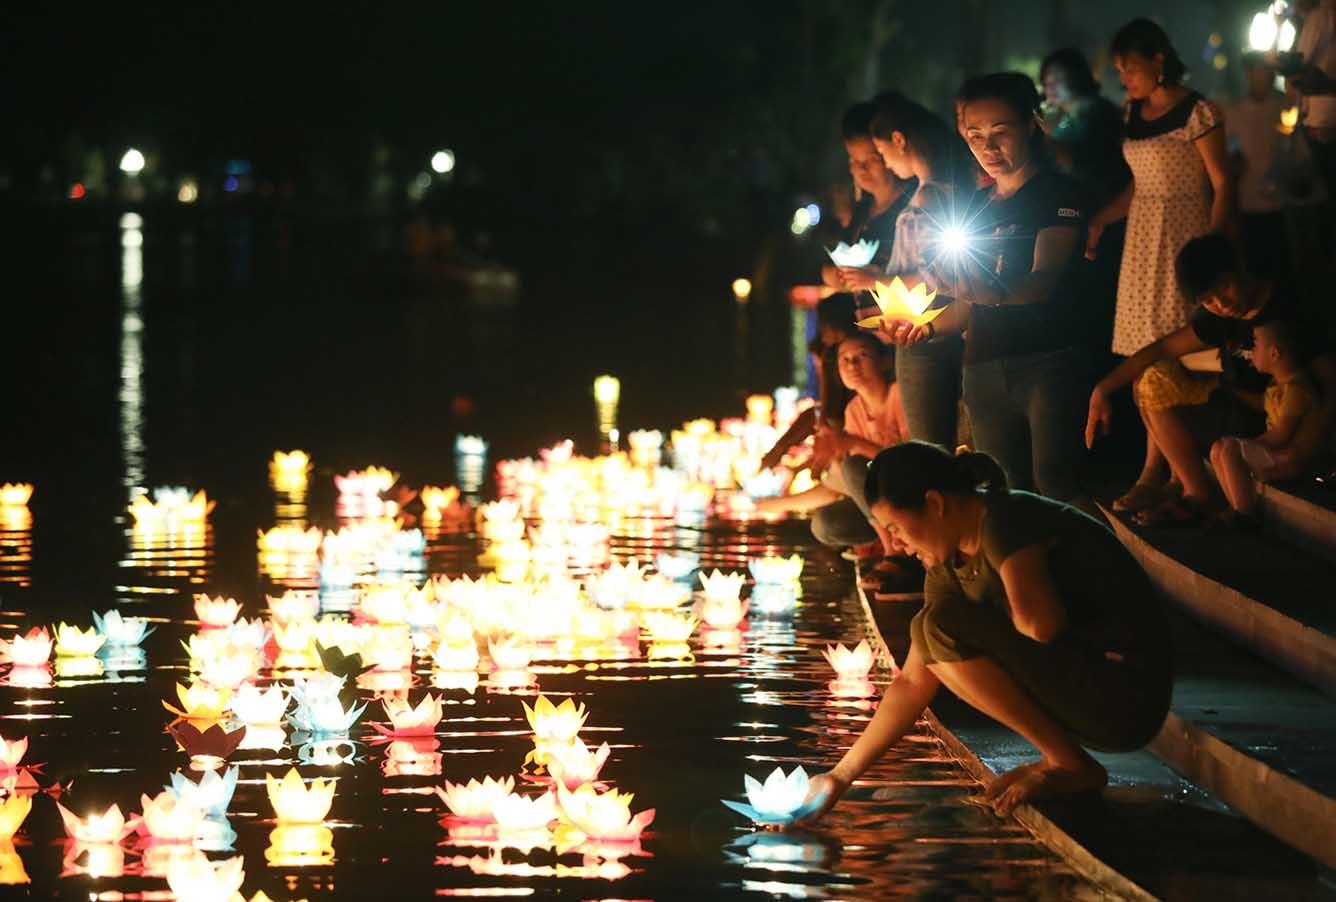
[1034,614]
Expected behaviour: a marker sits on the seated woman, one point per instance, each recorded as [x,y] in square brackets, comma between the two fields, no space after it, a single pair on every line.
[873,419]
[1034,614]
[1185,414]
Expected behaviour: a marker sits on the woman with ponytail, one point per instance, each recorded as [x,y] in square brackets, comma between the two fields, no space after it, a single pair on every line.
[1034,614]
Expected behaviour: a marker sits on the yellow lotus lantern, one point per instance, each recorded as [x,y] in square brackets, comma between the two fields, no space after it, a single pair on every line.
[76,643]
[296,637]
[605,816]
[297,803]
[670,628]
[723,613]
[290,541]
[299,846]
[12,752]
[437,499]
[294,605]
[899,303]
[170,819]
[760,408]
[290,467]
[230,668]
[198,879]
[555,724]
[216,612]
[721,586]
[108,827]
[13,812]
[1289,119]
[509,654]
[200,702]
[461,656]
[15,494]
[11,866]
[254,707]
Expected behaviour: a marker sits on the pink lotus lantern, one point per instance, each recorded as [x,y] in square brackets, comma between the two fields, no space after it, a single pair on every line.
[575,765]
[520,813]
[32,649]
[850,664]
[474,801]
[216,612]
[406,720]
[12,752]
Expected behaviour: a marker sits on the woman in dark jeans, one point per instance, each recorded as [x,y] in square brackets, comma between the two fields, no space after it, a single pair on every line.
[916,143]
[1019,291]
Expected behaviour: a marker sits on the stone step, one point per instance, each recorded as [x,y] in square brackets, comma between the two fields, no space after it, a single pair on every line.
[1229,801]
[1303,514]
[1266,594]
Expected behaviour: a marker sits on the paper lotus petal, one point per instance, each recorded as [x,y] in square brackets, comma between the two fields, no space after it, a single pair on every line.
[12,752]
[15,494]
[326,716]
[211,794]
[252,706]
[406,720]
[779,800]
[198,879]
[216,612]
[296,802]
[776,570]
[575,765]
[850,663]
[520,812]
[122,631]
[108,827]
[665,627]
[723,613]
[677,566]
[169,818]
[555,724]
[213,744]
[366,483]
[509,654]
[290,462]
[13,811]
[859,254]
[474,801]
[722,585]
[318,687]
[200,702]
[603,815]
[32,649]
[294,605]
[456,657]
[898,302]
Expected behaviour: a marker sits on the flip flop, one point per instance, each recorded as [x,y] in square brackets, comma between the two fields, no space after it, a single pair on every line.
[1139,497]
[1173,512]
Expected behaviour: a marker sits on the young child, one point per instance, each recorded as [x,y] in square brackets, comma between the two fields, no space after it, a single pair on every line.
[1288,399]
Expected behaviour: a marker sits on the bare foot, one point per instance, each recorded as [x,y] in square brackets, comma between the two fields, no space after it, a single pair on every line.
[1044,781]
[1003,781]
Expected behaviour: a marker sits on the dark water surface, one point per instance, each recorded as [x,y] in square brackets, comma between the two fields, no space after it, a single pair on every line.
[144,359]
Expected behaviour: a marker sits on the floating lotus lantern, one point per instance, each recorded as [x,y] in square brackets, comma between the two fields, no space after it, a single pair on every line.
[109,827]
[677,566]
[668,628]
[211,794]
[474,801]
[11,753]
[294,606]
[723,613]
[575,764]
[718,585]
[200,702]
[899,303]
[15,494]
[772,570]
[290,541]
[509,654]
[464,680]
[170,508]
[326,716]
[13,811]
[470,445]
[198,879]
[856,255]
[76,643]
[366,483]
[124,632]
[229,669]
[32,649]
[169,818]
[603,815]
[288,470]
[300,846]
[261,708]
[296,637]
[456,657]
[248,633]
[207,748]
[319,687]
[295,802]
[437,499]
[777,801]
[613,587]
[521,813]
[406,720]
[555,724]
[774,599]
[658,593]
[216,612]
[389,648]
[850,663]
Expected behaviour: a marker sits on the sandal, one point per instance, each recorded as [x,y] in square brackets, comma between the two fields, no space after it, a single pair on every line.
[1140,497]
[1182,512]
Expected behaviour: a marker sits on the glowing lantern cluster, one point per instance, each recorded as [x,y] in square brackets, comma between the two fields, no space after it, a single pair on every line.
[170,508]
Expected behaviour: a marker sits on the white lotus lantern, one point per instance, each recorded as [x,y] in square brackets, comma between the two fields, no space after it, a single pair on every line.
[296,802]
[850,663]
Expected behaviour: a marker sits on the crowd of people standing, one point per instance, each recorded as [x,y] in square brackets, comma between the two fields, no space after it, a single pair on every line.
[1071,249]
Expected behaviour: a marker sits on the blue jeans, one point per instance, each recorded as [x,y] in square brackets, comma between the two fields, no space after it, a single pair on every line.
[847,521]
[929,378]
[1028,412]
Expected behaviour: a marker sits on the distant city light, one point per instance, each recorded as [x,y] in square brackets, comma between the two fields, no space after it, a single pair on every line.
[76,191]
[230,184]
[188,193]
[804,218]
[132,163]
[1263,31]
[742,289]
[132,221]
[607,389]
[443,161]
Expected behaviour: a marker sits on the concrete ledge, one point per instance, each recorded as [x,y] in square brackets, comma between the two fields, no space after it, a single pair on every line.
[1290,644]
[1279,804]
[1299,521]
[1081,859]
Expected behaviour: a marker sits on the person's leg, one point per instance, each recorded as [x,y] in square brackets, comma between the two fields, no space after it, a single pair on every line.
[841,524]
[1176,441]
[1055,409]
[929,379]
[853,473]
[1001,429]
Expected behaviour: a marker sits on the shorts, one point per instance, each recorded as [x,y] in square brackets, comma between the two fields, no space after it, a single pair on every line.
[1169,384]
[1257,456]
[1222,416]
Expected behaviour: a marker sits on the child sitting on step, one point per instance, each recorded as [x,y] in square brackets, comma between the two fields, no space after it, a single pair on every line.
[1289,399]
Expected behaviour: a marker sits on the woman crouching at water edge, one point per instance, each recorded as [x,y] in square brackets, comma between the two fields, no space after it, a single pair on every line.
[1033,613]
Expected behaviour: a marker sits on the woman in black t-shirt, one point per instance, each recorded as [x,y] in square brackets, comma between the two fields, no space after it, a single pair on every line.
[1018,285]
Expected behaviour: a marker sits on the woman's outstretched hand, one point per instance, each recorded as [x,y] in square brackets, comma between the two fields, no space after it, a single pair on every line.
[823,791]
[860,278]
